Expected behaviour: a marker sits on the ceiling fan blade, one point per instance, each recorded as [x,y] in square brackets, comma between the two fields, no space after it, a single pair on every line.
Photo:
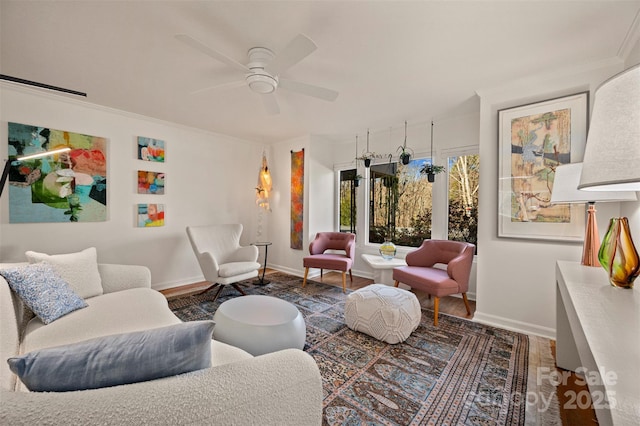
[308,89]
[270,104]
[298,49]
[221,86]
[198,45]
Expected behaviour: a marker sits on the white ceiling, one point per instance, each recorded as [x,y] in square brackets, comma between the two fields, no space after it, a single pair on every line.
[391,61]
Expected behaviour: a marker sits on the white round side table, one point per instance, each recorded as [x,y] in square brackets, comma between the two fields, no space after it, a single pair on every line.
[259,324]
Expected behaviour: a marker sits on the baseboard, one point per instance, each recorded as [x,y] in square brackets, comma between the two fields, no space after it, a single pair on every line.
[513,325]
[470,296]
[289,271]
[172,284]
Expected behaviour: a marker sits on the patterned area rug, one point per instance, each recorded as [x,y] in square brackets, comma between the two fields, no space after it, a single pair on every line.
[459,373]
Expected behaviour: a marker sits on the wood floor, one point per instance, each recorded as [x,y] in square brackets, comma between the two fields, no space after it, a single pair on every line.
[570,412]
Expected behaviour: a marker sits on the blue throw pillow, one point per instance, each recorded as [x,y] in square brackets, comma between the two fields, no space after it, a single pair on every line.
[45,292]
[117,359]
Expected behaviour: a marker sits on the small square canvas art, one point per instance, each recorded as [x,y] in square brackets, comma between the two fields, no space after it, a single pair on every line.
[150,182]
[150,215]
[150,149]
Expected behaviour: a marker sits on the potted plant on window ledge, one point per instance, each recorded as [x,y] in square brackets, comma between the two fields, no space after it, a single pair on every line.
[431,170]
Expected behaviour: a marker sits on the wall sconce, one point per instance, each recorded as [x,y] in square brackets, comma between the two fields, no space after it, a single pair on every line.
[263,190]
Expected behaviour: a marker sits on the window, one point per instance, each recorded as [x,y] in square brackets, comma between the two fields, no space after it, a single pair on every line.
[399,203]
[464,174]
[349,182]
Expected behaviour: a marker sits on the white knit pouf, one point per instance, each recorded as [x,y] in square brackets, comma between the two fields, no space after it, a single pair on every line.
[387,313]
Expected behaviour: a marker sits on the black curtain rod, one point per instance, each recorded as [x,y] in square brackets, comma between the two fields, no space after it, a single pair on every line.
[41,85]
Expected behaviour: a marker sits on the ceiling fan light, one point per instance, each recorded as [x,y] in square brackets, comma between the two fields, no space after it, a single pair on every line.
[262,83]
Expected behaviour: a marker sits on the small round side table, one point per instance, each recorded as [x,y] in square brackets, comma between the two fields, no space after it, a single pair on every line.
[265,244]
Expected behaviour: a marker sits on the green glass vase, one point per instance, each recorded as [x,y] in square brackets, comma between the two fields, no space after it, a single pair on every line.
[617,254]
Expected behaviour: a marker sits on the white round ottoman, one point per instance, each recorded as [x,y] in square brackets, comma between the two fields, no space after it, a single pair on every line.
[387,313]
[259,324]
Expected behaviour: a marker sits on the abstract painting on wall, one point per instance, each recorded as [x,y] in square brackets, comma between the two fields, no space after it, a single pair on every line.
[150,149]
[65,187]
[150,215]
[534,139]
[297,199]
[150,182]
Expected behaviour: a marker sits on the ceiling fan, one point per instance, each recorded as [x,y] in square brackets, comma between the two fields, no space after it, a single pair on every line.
[263,71]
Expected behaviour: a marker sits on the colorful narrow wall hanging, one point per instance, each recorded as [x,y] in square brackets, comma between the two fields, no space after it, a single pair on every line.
[297,199]
[66,187]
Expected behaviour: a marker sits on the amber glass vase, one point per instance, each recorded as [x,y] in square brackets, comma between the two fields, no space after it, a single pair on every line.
[618,255]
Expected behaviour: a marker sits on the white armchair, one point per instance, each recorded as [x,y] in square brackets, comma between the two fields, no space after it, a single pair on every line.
[222,260]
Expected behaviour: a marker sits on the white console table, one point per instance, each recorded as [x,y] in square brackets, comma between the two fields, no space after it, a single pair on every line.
[598,329]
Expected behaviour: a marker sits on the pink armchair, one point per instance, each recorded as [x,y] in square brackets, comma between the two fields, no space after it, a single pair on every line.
[421,274]
[335,261]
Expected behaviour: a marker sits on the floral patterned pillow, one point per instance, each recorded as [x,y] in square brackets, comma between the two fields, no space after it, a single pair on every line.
[43,291]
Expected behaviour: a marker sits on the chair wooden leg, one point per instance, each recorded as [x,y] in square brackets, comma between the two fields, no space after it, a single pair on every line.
[350,275]
[215,296]
[321,274]
[237,287]
[304,281]
[397,283]
[466,303]
[344,282]
[211,287]
[436,303]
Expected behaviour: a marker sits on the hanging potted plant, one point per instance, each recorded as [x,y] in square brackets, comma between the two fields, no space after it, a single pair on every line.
[431,171]
[356,180]
[405,153]
[367,156]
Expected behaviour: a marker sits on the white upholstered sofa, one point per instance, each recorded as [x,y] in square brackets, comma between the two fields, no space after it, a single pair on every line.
[275,389]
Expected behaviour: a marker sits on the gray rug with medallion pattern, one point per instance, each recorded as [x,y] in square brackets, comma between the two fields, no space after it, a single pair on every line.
[459,373]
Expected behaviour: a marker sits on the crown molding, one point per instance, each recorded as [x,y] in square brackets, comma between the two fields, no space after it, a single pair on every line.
[630,39]
[559,74]
[19,88]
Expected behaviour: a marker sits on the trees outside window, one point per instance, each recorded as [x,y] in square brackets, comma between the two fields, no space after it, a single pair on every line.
[399,203]
[349,182]
[464,177]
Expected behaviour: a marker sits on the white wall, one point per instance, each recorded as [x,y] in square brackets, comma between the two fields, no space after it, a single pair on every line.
[210,179]
[632,210]
[516,277]
[281,255]
[321,186]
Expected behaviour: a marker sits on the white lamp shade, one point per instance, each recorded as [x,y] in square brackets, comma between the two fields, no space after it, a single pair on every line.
[612,154]
[565,188]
